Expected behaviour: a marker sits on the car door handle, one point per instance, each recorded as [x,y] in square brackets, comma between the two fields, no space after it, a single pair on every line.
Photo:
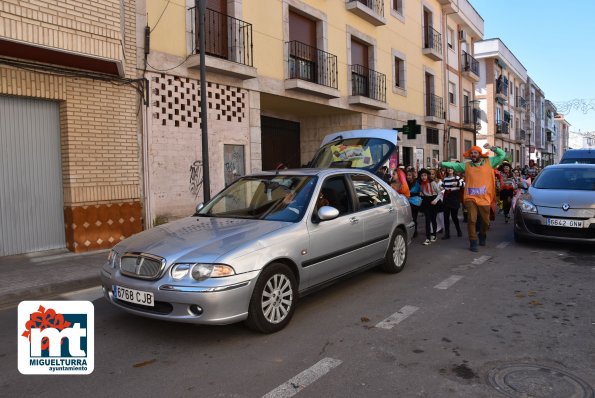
[353,220]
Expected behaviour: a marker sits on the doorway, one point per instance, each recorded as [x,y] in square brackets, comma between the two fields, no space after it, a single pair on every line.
[280,143]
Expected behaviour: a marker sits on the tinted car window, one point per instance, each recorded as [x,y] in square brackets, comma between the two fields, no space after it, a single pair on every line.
[369,192]
[578,160]
[334,193]
[582,179]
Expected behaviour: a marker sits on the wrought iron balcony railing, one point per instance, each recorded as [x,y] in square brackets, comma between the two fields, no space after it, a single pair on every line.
[368,83]
[311,64]
[520,102]
[432,39]
[522,135]
[470,115]
[434,106]
[470,64]
[501,127]
[377,6]
[225,37]
[502,87]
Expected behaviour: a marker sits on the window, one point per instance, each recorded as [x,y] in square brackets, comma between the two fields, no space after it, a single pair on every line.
[451,38]
[468,145]
[399,73]
[398,6]
[452,93]
[369,192]
[432,136]
[334,193]
[452,148]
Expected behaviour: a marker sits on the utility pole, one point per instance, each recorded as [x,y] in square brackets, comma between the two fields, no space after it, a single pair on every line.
[202,9]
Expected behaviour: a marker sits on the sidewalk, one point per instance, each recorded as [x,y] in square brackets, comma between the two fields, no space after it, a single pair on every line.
[44,275]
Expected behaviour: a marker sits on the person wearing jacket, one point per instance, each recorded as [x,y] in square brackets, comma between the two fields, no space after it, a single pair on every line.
[507,188]
[429,192]
[414,198]
[451,199]
[480,189]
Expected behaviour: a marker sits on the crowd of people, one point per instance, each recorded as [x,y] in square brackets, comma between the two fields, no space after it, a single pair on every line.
[484,186]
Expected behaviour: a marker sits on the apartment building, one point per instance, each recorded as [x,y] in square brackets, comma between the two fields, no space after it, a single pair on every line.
[499,91]
[551,133]
[464,27]
[68,127]
[281,77]
[534,120]
[562,127]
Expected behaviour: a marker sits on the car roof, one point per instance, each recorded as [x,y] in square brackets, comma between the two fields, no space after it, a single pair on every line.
[570,166]
[310,172]
[579,152]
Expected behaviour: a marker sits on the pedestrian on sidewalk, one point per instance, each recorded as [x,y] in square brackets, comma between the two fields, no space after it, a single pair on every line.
[480,189]
[429,192]
[452,185]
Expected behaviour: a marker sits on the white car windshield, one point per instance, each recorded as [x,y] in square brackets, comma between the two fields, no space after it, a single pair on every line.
[581,179]
[273,198]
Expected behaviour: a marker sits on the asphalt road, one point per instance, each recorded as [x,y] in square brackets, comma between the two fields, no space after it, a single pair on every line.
[450,325]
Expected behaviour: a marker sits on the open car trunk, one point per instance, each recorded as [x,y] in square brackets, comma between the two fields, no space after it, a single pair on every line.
[361,149]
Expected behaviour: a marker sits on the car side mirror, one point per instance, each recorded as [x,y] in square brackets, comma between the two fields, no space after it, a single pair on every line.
[199,208]
[326,213]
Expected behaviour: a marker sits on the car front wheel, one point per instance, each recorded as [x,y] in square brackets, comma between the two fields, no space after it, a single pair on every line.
[396,257]
[273,300]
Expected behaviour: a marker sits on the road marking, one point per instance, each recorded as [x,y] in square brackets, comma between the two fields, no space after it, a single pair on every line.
[448,282]
[503,245]
[90,294]
[480,260]
[397,317]
[304,379]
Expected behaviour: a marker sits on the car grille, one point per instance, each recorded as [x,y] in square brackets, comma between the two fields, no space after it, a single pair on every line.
[142,266]
[562,232]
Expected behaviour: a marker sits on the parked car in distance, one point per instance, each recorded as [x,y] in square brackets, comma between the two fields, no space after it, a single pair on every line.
[559,205]
[267,239]
[578,156]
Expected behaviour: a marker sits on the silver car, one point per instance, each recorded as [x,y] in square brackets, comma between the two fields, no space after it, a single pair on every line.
[560,205]
[264,241]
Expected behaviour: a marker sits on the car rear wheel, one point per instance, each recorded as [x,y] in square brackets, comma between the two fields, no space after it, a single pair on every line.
[396,257]
[273,300]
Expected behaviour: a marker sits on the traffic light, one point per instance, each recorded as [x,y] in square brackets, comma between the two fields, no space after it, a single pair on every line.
[411,129]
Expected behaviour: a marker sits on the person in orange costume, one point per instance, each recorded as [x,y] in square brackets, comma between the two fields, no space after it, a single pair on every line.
[480,189]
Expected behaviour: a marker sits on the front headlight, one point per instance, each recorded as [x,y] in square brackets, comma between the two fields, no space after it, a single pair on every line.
[200,272]
[179,271]
[113,258]
[526,206]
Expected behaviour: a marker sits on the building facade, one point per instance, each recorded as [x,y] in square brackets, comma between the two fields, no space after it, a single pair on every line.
[562,127]
[280,78]
[68,127]
[502,108]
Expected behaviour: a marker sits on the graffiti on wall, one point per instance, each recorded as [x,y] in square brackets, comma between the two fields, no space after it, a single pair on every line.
[196,178]
[233,158]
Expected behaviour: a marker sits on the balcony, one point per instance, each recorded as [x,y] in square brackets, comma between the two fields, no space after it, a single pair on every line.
[520,102]
[228,45]
[549,136]
[311,70]
[522,135]
[470,117]
[432,43]
[502,127]
[470,67]
[368,87]
[501,90]
[369,10]
[434,109]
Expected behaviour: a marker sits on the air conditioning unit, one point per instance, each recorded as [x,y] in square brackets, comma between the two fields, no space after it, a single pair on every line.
[462,35]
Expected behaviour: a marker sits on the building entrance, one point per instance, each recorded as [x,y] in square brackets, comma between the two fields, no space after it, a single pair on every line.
[280,143]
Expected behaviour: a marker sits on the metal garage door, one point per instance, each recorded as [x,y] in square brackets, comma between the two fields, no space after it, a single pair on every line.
[31,201]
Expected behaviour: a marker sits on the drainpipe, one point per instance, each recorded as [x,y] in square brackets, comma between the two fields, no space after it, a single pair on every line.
[445,75]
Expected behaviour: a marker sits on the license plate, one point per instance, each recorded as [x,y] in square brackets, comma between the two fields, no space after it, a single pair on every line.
[560,222]
[134,296]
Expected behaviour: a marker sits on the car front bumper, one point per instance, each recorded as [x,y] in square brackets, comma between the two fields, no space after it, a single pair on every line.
[221,301]
[533,226]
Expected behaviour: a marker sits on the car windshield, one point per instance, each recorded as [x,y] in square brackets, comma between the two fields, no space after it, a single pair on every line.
[361,153]
[581,179]
[273,198]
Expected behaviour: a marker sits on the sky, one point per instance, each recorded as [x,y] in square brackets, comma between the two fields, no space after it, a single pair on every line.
[555,42]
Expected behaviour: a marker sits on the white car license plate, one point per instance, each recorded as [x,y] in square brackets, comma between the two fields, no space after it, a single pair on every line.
[560,222]
[134,296]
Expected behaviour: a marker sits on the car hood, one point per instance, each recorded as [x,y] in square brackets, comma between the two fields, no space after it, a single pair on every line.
[199,239]
[557,197]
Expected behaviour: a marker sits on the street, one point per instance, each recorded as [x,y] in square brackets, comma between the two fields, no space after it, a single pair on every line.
[450,325]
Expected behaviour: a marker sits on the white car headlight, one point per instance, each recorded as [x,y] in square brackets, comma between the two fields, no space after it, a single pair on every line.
[113,259]
[526,206]
[179,271]
[200,272]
